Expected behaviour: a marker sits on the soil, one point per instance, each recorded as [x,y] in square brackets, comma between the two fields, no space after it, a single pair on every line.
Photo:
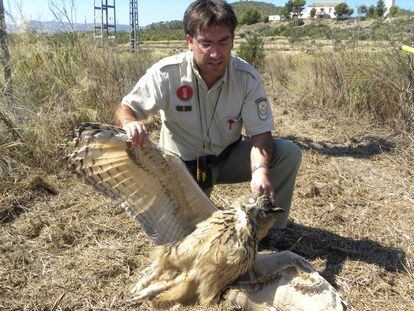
[64,246]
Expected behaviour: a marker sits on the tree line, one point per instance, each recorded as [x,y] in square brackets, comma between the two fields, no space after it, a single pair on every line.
[294,8]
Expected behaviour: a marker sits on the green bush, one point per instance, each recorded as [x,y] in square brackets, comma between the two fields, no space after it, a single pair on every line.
[296,22]
[252,50]
[252,16]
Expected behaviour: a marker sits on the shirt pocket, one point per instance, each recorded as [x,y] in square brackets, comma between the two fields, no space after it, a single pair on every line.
[233,124]
[185,120]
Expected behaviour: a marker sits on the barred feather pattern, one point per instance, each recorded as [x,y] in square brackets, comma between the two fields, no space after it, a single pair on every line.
[199,267]
[283,281]
[152,184]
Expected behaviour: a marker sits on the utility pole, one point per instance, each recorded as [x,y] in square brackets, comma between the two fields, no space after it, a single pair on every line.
[104,22]
[134,25]
[8,89]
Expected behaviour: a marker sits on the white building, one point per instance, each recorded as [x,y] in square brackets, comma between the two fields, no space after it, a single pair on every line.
[274,18]
[323,10]
[388,5]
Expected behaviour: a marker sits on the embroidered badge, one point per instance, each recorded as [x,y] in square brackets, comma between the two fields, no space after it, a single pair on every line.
[184,92]
[262,108]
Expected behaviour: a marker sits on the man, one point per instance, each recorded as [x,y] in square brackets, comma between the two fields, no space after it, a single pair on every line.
[205,96]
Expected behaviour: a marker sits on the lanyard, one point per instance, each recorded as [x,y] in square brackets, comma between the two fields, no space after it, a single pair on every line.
[212,116]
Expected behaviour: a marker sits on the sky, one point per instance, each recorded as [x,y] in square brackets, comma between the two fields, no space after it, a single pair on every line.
[149,11]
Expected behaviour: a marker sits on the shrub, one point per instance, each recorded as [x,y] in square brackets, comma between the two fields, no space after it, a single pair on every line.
[296,23]
[252,50]
[250,17]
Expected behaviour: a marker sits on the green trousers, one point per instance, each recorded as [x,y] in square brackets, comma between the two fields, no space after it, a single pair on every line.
[235,168]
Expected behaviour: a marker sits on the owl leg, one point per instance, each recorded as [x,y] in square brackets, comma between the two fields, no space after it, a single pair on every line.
[150,291]
[149,274]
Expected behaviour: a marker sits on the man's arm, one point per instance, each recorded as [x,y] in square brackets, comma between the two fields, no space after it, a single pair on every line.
[260,157]
[136,130]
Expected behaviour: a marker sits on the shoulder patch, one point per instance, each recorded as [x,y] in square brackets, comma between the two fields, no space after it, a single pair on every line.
[262,108]
[242,65]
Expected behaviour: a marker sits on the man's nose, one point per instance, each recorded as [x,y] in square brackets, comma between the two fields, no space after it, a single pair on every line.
[215,51]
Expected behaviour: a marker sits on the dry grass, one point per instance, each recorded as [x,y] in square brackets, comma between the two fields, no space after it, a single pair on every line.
[377,86]
[60,82]
[65,247]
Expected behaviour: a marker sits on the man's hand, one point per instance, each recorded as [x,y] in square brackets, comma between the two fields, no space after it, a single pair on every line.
[260,183]
[137,132]
[260,157]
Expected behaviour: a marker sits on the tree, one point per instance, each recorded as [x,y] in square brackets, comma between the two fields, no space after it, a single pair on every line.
[343,11]
[252,50]
[380,8]
[362,10]
[295,7]
[393,11]
[312,12]
[371,11]
[250,17]
[285,12]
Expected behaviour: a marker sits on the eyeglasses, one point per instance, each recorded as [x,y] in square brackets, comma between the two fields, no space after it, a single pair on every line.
[208,46]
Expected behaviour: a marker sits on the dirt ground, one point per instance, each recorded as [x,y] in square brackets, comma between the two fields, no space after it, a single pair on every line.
[65,247]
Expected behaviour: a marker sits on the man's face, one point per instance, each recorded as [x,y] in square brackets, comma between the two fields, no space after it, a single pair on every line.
[212,48]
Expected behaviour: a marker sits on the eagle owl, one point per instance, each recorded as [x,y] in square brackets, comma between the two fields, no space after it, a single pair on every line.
[215,254]
[203,253]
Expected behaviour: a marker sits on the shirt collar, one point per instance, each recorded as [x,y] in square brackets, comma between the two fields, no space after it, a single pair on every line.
[218,83]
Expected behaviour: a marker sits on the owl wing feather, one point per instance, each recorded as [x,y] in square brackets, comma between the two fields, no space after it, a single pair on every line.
[153,185]
[283,281]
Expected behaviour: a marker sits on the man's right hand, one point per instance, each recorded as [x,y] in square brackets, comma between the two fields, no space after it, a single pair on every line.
[137,132]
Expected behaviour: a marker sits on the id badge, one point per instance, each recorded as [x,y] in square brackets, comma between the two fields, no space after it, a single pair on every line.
[203,173]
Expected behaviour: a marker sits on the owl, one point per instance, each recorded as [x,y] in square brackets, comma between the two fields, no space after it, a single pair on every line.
[220,249]
[202,254]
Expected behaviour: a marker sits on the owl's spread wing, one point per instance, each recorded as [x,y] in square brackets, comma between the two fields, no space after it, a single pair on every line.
[152,185]
[283,281]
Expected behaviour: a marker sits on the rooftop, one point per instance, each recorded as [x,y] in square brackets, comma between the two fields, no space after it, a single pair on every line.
[324,4]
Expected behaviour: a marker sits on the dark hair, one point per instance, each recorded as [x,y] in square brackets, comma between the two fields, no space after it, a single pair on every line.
[204,13]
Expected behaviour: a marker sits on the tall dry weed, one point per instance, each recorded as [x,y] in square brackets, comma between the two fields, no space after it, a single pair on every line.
[377,86]
[60,81]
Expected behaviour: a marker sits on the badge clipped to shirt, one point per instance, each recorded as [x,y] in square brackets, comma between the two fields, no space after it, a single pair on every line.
[185,92]
[262,108]
[231,121]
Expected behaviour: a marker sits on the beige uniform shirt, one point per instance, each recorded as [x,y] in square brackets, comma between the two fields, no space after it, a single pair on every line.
[197,120]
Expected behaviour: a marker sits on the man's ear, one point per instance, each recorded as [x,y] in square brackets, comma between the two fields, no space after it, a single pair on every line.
[189,40]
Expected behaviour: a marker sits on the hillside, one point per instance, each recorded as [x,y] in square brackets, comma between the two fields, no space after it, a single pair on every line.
[264,8]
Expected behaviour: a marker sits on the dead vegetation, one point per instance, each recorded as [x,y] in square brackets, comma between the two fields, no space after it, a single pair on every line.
[65,247]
